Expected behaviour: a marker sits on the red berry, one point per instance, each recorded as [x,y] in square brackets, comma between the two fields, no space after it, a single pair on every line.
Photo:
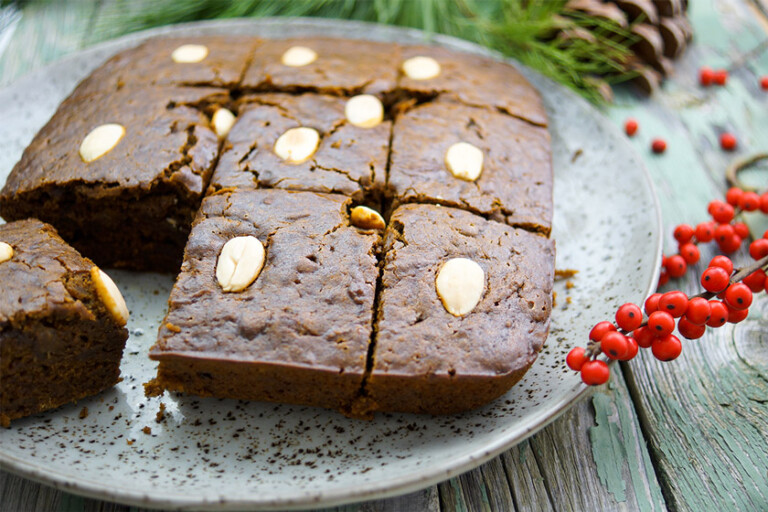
[764,203]
[644,336]
[705,232]
[755,280]
[632,348]
[721,212]
[576,359]
[728,141]
[675,303]
[750,201]
[737,315]
[722,262]
[733,196]
[614,345]
[698,311]
[706,75]
[663,278]
[667,348]
[720,77]
[758,249]
[601,329]
[683,233]
[766,285]
[661,323]
[594,373]
[652,303]
[718,314]
[738,296]
[630,126]
[730,245]
[690,253]
[690,330]
[764,83]
[629,317]
[741,229]
[658,146]
[715,279]
[724,232]
[676,266]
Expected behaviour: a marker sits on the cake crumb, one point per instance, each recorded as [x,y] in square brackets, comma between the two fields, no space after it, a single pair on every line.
[83,413]
[147,430]
[568,300]
[554,299]
[172,328]
[129,442]
[565,273]
[569,285]
[160,414]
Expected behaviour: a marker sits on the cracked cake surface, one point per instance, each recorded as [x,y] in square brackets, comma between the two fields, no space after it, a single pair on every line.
[146,188]
[304,152]
[349,159]
[427,360]
[299,333]
[515,185]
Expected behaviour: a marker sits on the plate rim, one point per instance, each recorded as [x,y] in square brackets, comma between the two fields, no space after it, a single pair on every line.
[312,499]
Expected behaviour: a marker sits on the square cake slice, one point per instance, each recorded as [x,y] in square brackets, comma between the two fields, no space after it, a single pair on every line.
[463,310]
[298,330]
[215,61]
[305,142]
[340,67]
[120,175]
[483,161]
[62,323]
[431,71]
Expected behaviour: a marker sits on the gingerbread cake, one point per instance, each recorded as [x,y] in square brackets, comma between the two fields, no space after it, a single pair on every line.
[374,226]
[62,323]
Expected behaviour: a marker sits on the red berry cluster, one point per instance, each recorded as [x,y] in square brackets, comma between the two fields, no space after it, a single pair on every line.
[726,299]
[709,76]
[723,230]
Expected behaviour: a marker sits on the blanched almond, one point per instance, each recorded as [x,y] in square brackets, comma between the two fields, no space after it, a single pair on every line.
[366,218]
[240,263]
[460,284]
[421,68]
[189,53]
[464,161]
[364,110]
[6,252]
[100,141]
[297,145]
[110,295]
[222,121]
[298,56]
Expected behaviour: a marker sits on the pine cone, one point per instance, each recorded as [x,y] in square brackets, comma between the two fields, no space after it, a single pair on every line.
[659,29]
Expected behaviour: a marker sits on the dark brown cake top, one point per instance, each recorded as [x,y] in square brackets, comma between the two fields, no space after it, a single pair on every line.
[164,142]
[501,334]
[312,302]
[209,60]
[473,80]
[348,159]
[515,184]
[34,280]
[327,65]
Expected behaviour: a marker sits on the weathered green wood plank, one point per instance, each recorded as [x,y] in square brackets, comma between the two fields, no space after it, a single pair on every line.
[592,458]
[20,495]
[607,465]
[525,478]
[706,414]
[47,31]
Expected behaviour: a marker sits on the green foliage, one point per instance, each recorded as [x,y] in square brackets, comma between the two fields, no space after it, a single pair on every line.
[524,29]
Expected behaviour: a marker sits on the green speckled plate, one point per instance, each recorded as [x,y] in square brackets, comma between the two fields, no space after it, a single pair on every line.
[225,454]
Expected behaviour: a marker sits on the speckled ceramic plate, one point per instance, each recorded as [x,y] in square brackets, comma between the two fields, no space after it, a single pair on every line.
[227,454]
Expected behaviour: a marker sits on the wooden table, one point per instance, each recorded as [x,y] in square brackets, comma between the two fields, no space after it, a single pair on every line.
[687,435]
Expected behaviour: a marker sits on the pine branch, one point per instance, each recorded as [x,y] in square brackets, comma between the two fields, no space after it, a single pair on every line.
[523,29]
